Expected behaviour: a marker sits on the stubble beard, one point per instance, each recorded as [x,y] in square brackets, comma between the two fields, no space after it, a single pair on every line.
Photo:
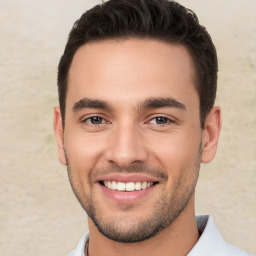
[166,210]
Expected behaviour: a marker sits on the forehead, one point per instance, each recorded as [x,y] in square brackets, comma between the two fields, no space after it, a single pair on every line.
[130,70]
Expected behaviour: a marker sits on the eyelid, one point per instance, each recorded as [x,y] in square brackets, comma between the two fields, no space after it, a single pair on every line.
[170,119]
[87,117]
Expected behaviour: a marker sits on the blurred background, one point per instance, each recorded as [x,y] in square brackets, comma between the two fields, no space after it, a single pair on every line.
[39,215]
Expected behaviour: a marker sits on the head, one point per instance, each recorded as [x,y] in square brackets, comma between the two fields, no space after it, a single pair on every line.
[163,20]
[137,84]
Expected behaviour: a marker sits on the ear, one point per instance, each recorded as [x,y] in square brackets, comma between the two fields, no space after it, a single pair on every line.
[211,134]
[59,134]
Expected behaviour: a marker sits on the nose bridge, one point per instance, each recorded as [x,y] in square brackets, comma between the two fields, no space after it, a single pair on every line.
[126,145]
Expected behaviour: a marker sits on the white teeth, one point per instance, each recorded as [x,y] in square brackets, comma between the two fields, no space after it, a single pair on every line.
[109,183]
[130,186]
[138,186]
[114,185]
[120,186]
[144,185]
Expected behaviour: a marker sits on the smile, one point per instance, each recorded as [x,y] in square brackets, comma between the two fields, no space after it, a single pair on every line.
[130,186]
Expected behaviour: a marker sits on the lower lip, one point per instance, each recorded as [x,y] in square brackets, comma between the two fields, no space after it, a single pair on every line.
[125,197]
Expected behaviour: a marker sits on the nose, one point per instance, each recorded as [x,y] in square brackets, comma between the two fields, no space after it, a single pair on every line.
[126,146]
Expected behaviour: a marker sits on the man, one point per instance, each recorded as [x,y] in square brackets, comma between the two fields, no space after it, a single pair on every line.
[137,84]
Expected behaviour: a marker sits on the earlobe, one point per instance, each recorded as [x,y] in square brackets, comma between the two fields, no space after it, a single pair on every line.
[211,134]
[59,134]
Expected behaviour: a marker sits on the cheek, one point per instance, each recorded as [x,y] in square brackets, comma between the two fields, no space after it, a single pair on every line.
[83,154]
[83,151]
[177,151]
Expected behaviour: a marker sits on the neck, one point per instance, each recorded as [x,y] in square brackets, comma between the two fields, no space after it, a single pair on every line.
[176,240]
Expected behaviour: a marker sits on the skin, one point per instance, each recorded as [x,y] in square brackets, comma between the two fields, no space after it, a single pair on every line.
[164,142]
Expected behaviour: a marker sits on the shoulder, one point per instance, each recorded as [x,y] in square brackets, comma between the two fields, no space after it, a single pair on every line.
[235,251]
[73,253]
[211,242]
[79,251]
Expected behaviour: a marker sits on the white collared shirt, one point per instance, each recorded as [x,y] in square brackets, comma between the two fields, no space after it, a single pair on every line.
[210,243]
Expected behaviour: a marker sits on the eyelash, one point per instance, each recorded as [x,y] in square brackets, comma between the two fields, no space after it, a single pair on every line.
[168,120]
[89,121]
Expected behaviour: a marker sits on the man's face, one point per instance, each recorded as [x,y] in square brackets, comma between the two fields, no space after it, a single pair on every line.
[132,123]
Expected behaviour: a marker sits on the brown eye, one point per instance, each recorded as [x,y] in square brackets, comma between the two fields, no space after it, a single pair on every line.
[161,120]
[95,120]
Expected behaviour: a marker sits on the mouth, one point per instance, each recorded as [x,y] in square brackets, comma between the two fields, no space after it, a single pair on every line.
[127,187]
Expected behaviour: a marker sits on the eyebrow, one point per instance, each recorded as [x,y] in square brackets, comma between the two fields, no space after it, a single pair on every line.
[90,103]
[153,103]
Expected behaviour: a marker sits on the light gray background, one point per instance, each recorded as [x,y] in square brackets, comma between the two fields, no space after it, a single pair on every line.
[39,214]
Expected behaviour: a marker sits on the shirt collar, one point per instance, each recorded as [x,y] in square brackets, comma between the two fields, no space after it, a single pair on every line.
[210,240]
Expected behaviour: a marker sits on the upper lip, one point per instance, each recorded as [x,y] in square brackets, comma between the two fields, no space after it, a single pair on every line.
[127,177]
